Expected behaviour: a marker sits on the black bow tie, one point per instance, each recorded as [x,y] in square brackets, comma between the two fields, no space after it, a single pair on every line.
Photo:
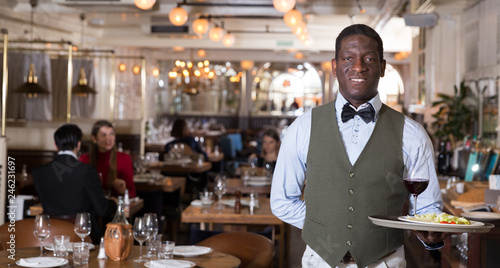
[367,113]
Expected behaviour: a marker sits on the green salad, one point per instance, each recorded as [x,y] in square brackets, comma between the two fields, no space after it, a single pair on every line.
[441,218]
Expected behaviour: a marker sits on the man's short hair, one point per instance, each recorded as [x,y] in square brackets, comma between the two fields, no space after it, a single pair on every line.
[67,137]
[359,29]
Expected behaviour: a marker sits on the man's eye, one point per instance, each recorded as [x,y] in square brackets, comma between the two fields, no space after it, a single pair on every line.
[348,58]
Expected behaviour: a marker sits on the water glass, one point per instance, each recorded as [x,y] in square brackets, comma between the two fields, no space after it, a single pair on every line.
[166,250]
[152,245]
[61,244]
[81,253]
[206,198]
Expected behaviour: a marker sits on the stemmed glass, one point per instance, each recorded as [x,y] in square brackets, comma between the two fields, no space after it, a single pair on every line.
[151,223]
[269,167]
[141,234]
[220,188]
[415,186]
[83,225]
[41,229]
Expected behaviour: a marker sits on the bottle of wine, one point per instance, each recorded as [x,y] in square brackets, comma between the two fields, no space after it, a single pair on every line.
[120,213]
[118,240]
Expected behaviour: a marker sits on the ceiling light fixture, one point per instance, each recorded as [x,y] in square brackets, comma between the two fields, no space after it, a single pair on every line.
[200,26]
[31,88]
[228,40]
[144,4]
[81,89]
[292,18]
[216,33]
[178,16]
[283,6]
[361,9]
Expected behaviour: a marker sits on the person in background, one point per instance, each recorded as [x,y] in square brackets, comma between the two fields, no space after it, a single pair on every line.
[354,152]
[67,186]
[181,133]
[270,148]
[115,168]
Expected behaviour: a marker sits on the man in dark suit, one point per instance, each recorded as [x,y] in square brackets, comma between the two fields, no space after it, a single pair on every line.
[67,186]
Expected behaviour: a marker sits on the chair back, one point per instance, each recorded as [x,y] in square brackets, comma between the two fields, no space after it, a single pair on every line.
[253,250]
[24,237]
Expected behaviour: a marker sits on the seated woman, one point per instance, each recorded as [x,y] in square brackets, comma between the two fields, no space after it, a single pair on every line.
[270,148]
[115,168]
[181,133]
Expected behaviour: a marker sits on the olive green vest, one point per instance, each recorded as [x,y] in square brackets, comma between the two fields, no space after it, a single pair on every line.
[340,197]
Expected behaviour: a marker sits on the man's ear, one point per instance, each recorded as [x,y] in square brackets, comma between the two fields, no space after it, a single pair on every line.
[334,67]
[55,145]
[78,146]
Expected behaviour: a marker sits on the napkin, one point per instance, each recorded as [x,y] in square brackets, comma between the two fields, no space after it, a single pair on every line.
[170,263]
[41,262]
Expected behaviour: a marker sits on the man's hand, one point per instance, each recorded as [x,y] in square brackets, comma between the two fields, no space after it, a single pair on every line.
[431,237]
[119,185]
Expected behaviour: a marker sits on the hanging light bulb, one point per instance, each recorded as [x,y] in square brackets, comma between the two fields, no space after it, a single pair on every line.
[144,4]
[228,40]
[292,18]
[283,6]
[216,33]
[299,29]
[200,26]
[81,89]
[31,88]
[178,16]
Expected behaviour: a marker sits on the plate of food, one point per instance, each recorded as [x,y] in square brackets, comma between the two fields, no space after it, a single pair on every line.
[482,215]
[401,222]
[439,219]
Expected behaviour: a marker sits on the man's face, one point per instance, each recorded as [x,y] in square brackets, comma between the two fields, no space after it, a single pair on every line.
[358,68]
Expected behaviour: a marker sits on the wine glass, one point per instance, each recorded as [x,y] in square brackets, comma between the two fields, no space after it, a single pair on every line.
[269,167]
[415,186]
[141,234]
[41,229]
[83,225]
[151,223]
[220,188]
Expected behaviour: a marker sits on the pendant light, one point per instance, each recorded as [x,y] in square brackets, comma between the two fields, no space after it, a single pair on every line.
[283,6]
[292,18]
[200,26]
[81,89]
[31,88]
[216,33]
[228,40]
[178,16]
[144,4]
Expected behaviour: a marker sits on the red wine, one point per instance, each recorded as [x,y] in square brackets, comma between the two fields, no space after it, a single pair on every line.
[416,185]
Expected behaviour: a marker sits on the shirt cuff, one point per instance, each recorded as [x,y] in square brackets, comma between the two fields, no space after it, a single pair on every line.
[434,246]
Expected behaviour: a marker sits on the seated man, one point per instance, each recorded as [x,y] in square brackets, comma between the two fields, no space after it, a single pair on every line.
[67,186]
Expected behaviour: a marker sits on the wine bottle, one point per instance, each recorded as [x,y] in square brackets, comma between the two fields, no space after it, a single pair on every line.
[120,212]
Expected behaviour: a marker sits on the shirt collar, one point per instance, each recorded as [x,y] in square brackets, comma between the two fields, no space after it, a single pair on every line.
[341,101]
[67,152]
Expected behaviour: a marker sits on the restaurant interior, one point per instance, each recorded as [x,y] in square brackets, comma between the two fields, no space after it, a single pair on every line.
[232,70]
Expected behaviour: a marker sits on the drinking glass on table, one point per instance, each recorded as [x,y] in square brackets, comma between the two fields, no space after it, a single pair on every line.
[151,223]
[415,186]
[83,225]
[141,234]
[41,229]
[220,188]
[166,250]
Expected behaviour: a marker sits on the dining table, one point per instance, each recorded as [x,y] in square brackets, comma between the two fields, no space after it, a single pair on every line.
[213,259]
[232,221]
[168,184]
[180,166]
[237,184]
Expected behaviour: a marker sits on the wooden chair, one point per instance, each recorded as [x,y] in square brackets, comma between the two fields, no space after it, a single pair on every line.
[24,237]
[253,250]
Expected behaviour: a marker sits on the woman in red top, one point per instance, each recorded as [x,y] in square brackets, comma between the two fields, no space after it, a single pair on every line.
[115,168]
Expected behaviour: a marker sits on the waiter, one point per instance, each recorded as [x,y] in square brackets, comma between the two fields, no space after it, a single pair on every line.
[354,152]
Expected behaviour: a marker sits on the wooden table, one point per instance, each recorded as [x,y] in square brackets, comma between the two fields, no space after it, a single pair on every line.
[238,222]
[210,260]
[129,210]
[192,167]
[167,184]
[235,184]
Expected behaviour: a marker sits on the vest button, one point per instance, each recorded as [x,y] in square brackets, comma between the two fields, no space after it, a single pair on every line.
[350,226]
[351,191]
[351,209]
[351,174]
[349,243]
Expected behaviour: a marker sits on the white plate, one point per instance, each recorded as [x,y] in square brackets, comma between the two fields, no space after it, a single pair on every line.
[480,215]
[258,183]
[411,219]
[40,262]
[197,203]
[171,263]
[50,247]
[191,251]
[394,222]
[231,202]
[259,178]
